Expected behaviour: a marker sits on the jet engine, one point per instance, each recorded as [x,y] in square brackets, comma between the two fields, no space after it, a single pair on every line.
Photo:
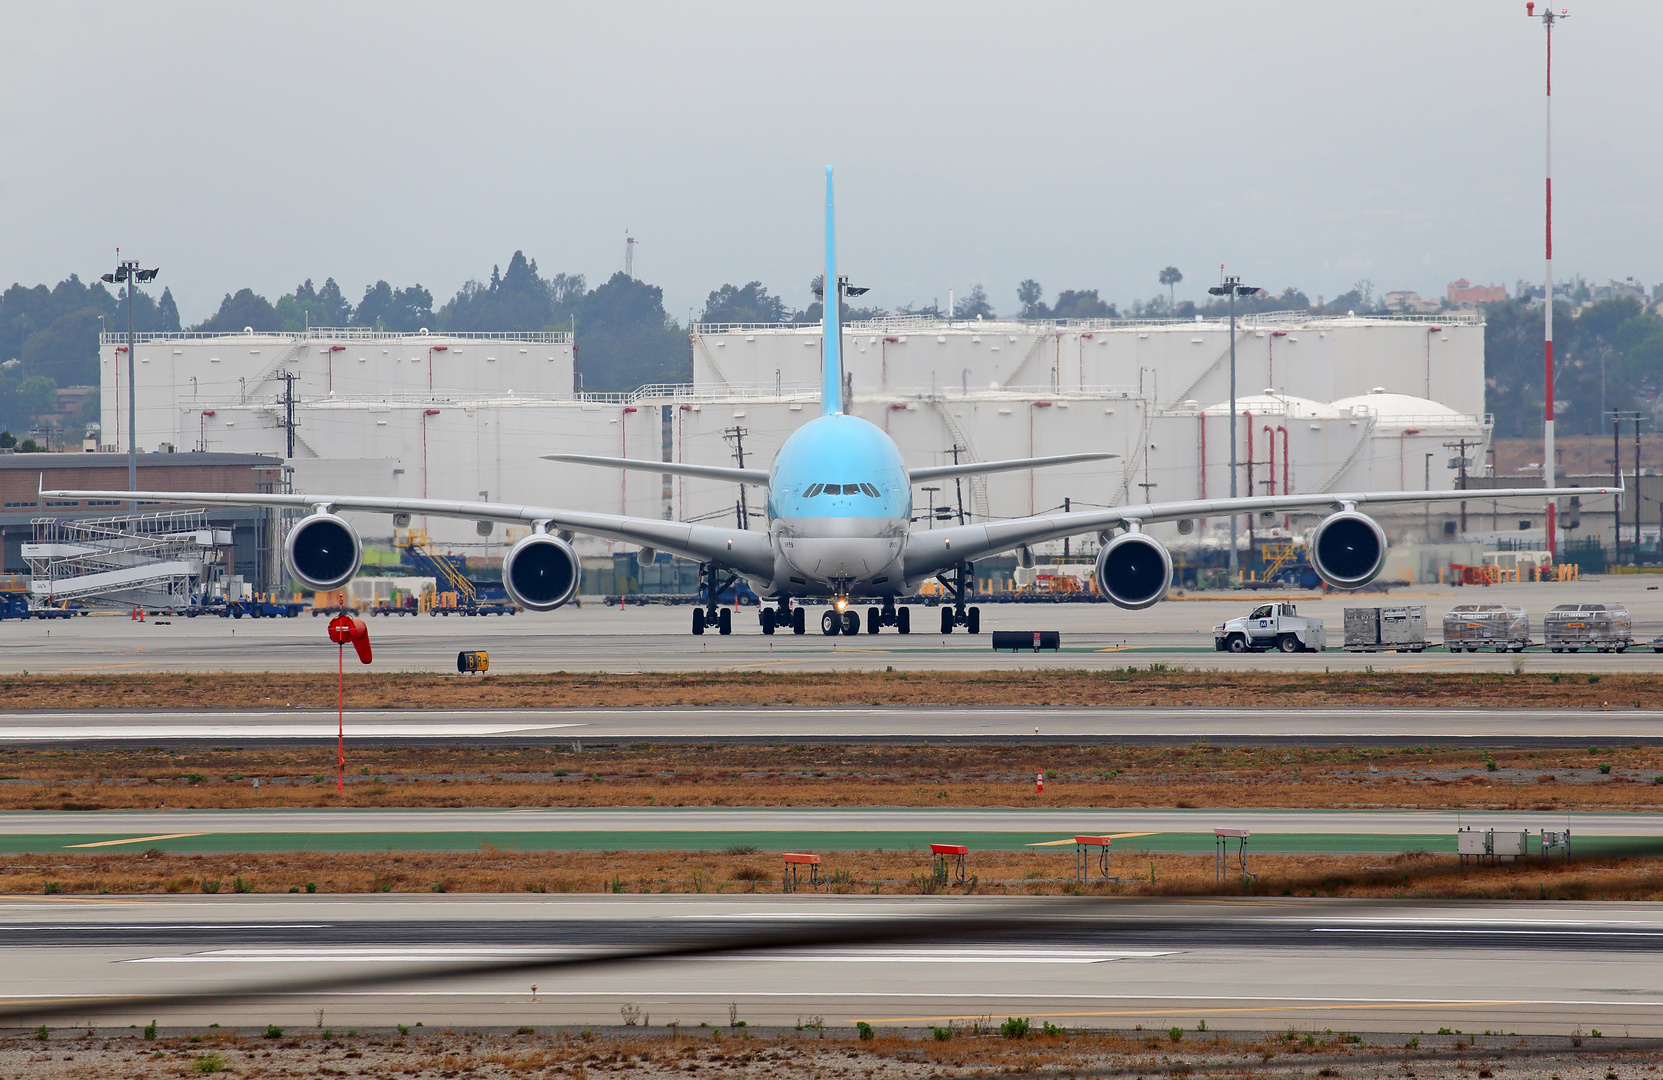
[1348,549]
[323,552]
[1134,571]
[541,572]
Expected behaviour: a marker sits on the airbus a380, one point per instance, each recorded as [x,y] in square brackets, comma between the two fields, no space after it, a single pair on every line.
[839,511]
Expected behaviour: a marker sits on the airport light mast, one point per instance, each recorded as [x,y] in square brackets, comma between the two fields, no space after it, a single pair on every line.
[1550,471]
[1232,287]
[128,273]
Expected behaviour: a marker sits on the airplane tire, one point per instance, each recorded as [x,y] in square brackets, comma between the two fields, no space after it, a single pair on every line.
[874,619]
[698,620]
[831,624]
[724,621]
[799,620]
[851,622]
[946,620]
[973,620]
[903,621]
[767,617]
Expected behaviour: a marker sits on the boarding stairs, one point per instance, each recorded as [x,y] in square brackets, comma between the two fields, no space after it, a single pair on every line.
[426,557]
[155,561]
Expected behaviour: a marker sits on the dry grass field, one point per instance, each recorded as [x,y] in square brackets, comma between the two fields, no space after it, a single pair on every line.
[1035,872]
[1154,684]
[822,1048]
[1590,778]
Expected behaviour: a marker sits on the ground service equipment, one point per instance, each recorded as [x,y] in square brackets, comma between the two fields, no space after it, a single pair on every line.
[1271,626]
[1502,627]
[1574,627]
[1373,629]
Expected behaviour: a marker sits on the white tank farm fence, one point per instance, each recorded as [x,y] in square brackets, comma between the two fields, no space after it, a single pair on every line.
[158,561]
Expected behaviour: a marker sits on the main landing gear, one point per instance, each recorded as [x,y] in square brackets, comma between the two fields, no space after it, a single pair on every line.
[710,615]
[956,614]
[784,617]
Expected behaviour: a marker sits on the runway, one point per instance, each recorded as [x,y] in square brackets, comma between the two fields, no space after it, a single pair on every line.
[1238,965]
[655,638]
[813,829]
[601,727]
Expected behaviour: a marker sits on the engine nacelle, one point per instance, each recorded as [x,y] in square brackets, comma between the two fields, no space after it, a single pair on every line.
[541,572]
[323,552]
[1134,571]
[1348,549]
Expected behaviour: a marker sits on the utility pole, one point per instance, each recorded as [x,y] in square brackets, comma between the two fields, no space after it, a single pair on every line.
[1550,470]
[288,379]
[1231,287]
[128,273]
[1462,462]
[735,437]
[629,255]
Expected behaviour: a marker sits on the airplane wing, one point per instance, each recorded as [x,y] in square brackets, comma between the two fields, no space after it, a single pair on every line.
[674,468]
[931,551]
[739,549]
[978,468]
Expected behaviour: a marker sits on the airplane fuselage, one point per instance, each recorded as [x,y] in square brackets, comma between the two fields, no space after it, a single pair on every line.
[839,510]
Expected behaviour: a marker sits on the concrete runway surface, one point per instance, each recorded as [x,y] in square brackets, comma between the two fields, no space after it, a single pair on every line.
[656,638]
[812,829]
[1367,966]
[595,728]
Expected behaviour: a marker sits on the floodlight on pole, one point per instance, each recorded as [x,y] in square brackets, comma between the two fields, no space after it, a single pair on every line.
[1232,287]
[128,273]
[1550,471]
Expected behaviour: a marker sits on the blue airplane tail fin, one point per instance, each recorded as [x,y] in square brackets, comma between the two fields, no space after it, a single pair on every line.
[831,320]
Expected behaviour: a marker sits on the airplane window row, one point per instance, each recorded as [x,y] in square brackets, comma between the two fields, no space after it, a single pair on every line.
[840,489]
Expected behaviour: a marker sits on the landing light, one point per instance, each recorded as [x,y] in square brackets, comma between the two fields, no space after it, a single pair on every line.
[842,603]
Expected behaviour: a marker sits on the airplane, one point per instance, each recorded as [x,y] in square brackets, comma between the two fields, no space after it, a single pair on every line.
[839,510]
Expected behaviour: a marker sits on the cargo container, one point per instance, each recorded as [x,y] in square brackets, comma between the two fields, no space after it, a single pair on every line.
[1502,627]
[1373,629]
[1574,627]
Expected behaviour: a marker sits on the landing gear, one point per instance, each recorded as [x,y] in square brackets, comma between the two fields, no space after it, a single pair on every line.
[799,621]
[712,615]
[903,621]
[831,623]
[851,622]
[957,614]
[782,617]
[873,620]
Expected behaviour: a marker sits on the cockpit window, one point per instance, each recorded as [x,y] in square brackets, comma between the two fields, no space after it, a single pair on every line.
[813,490]
[870,490]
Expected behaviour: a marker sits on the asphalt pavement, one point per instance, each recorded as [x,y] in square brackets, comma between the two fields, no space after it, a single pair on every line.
[1364,966]
[653,638]
[775,829]
[603,727]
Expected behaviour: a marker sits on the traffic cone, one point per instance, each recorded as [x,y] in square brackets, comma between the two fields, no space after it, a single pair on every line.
[134,614]
[141,614]
[1039,782]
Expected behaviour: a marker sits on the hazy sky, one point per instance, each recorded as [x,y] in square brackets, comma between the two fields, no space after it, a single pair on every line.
[1303,142]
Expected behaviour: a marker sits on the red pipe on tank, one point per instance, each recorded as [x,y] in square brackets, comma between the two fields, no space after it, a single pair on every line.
[1270,437]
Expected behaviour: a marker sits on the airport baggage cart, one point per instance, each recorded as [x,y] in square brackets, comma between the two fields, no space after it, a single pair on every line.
[1574,627]
[1385,629]
[1502,627]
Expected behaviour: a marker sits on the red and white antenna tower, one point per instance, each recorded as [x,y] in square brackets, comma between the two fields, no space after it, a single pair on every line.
[1550,471]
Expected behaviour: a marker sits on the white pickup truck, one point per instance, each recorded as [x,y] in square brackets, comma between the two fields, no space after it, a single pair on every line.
[1271,626]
